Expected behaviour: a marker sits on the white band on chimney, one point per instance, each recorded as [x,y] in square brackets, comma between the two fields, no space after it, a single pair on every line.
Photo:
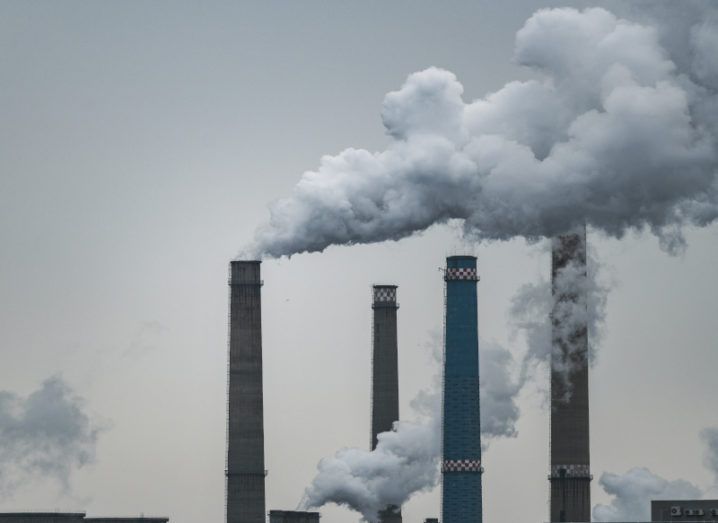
[571,471]
[461,273]
[461,465]
[382,294]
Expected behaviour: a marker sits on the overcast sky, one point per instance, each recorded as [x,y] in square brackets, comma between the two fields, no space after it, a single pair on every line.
[140,145]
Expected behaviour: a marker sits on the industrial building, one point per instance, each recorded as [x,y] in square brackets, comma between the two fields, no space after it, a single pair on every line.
[293,516]
[461,463]
[385,373]
[570,474]
[141,519]
[69,517]
[245,426]
[685,510]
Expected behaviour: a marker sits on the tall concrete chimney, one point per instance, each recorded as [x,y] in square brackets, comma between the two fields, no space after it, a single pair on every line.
[245,427]
[385,374]
[461,465]
[570,460]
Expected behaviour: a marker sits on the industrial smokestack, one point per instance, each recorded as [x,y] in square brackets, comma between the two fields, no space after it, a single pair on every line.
[245,427]
[570,460]
[461,465]
[385,374]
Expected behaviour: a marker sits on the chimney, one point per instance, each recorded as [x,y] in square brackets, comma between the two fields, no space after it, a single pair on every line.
[385,374]
[245,426]
[461,465]
[570,461]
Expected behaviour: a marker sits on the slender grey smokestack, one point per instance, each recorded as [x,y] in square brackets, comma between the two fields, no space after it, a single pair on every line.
[570,460]
[385,374]
[245,428]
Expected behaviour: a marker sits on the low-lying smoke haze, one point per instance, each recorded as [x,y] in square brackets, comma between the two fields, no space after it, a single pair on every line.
[47,434]
[633,491]
[617,130]
[406,460]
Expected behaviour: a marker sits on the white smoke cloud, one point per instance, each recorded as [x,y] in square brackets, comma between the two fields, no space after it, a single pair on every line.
[47,434]
[633,491]
[406,460]
[499,392]
[616,130]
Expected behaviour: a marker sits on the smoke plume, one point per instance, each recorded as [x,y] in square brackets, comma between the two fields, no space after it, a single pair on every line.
[534,303]
[617,130]
[406,460]
[499,392]
[633,491]
[46,434]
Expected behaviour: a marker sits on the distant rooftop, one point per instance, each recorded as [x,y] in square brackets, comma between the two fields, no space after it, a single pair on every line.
[71,517]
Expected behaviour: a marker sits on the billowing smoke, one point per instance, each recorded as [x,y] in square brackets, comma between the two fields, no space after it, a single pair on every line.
[499,392]
[47,434]
[710,438]
[616,130]
[579,300]
[406,460]
[633,491]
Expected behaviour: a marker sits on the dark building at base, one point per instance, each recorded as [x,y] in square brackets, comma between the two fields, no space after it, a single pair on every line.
[685,510]
[293,516]
[70,517]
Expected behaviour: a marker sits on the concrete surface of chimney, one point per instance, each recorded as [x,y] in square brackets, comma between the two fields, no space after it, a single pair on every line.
[385,373]
[245,426]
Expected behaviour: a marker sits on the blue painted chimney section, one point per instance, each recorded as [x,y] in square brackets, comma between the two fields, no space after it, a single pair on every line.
[461,465]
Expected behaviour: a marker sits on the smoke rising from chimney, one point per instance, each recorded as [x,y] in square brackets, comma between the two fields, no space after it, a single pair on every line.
[46,434]
[406,460]
[533,303]
[617,130]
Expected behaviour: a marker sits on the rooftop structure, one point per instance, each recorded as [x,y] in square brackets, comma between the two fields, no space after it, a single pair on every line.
[705,510]
[70,517]
[293,516]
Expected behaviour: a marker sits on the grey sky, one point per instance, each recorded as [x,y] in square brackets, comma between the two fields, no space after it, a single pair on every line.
[141,143]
